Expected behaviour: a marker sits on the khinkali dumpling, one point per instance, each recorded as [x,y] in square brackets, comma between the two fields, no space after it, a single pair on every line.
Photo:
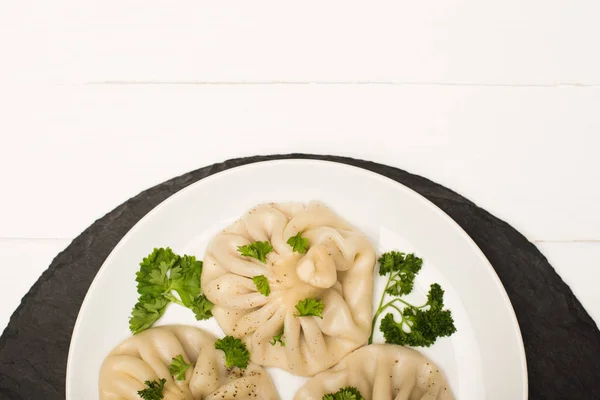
[147,356]
[337,269]
[381,372]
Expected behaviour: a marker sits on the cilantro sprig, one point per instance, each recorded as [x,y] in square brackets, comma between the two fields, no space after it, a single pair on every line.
[258,250]
[163,273]
[298,243]
[262,284]
[310,307]
[418,325]
[154,391]
[179,367]
[347,393]
[236,353]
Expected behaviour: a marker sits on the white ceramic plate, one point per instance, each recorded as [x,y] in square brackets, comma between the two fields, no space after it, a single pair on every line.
[485,359]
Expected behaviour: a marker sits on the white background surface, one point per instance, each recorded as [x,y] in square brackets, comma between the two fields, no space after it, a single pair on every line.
[102,99]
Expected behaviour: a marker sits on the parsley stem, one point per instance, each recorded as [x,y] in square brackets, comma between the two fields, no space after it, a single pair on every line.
[173,299]
[379,309]
[390,303]
[397,309]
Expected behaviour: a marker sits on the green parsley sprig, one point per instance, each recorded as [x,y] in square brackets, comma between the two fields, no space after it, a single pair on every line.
[278,338]
[179,367]
[402,269]
[298,243]
[154,391]
[161,273]
[262,285]
[419,325]
[310,307]
[258,250]
[236,353]
[347,393]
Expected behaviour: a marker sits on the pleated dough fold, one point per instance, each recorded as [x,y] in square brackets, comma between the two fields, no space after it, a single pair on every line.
[381,372]
[147,356]
[337,269]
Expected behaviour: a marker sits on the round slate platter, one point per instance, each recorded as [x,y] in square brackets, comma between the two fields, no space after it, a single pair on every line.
[562,342]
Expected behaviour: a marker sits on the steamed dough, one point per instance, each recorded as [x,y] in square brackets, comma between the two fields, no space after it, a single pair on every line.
[337,269]
[381,372]
[147,356]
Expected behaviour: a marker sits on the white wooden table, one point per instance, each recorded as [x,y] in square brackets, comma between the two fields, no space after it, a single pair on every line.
[499,101]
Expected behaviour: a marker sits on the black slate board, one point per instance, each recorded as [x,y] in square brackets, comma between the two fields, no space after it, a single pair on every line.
[562,342]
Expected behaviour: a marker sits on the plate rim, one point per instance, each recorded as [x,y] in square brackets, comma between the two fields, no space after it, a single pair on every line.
[339,164]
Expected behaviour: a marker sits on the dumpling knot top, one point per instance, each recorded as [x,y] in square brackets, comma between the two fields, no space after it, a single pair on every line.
[147,356]
[337,269]
[382,372]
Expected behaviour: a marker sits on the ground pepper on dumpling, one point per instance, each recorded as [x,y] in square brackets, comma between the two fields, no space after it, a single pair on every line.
[381,372]
[178,362]
[319,273]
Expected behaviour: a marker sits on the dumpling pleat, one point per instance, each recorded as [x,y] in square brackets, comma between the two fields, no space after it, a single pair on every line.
[252,321]
[337,269]
[266,223]
[234,291]
[381,372]
[147,356]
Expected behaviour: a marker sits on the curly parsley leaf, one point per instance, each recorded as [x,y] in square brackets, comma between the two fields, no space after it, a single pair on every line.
[262,284]
[426,329]
[418,326]
[435,297]
[298,243]
[423,327]
[402,269]
[236,353]
[278,339]
[154,391]
[161,273]
[258,250]
[347,393]
[179,367]
[310,307]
